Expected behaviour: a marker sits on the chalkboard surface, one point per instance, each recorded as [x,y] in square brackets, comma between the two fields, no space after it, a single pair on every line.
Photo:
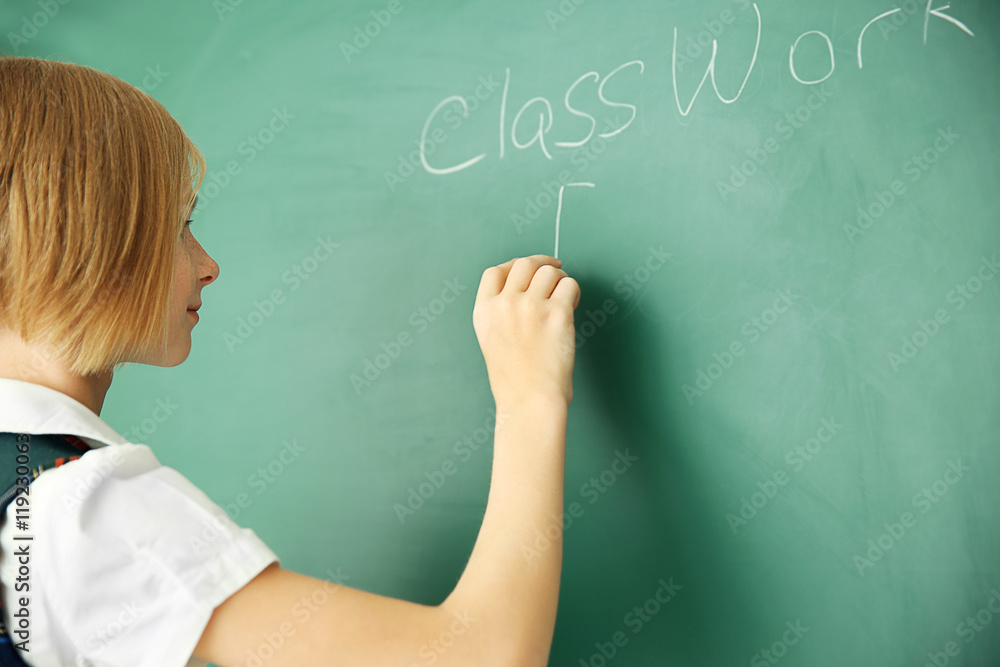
[784,444]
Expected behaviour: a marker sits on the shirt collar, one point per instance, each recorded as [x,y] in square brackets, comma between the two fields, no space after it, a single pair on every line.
[26,407]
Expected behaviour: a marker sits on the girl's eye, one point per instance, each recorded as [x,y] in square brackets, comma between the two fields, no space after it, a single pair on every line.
[186,225]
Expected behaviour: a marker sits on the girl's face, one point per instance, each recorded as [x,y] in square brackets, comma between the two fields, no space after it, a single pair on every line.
[193,270]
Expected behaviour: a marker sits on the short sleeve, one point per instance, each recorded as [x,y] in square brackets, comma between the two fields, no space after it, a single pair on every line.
[130,559]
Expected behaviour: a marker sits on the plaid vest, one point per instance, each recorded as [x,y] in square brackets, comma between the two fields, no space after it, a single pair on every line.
[24,458]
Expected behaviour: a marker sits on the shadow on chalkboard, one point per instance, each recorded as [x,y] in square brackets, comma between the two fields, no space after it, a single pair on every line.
[676,531]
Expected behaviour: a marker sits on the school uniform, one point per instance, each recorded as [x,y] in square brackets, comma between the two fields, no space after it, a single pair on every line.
[128,558]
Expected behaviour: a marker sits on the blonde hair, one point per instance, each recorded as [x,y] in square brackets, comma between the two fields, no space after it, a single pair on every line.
[95,181]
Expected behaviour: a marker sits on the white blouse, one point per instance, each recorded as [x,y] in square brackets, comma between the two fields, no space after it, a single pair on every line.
[128,558]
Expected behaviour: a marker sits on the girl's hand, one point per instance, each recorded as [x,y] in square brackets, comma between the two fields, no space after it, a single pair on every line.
[523,319]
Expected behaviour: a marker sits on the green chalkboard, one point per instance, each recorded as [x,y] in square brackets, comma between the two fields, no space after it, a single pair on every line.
[785,436]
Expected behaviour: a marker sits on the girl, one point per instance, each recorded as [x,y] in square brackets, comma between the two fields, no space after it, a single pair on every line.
[98,268]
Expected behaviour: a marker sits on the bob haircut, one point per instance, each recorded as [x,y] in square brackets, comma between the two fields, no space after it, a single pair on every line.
[96,180]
